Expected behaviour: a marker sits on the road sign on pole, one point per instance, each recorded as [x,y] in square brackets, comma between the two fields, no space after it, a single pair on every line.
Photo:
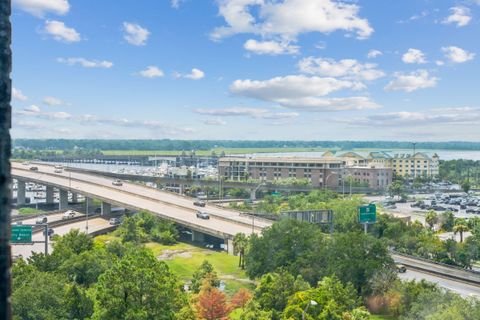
[21,234]
[367,215]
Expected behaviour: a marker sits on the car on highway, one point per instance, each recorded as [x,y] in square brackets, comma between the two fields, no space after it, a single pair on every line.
[199,203]
[58,166]
[114,221]
[58,171]
[68,214]
[33,168]
[117,182]
[41,220]
[50,233]
[400,268]
[203,215]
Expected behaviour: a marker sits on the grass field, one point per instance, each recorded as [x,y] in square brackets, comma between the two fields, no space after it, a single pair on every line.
[184,259]
[29,211]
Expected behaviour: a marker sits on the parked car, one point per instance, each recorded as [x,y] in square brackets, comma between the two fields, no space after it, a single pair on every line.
[117,182]
[401,268]
[33,168]
[41,220]
[115,221]
[68,214]
[203,215]
[199,203]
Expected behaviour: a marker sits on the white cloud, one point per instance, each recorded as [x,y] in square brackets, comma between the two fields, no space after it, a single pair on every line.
[414,56]
[214,122]
[151,72]
[457,55]
[432,117]
[86,63]
[40,7]
[460,16]
[33,109]
[52,101]
[195,74]
[135,34]
[412,81]
[287,19]
[374,53]
[270,47]
[315,104]
[346,68]
[254,113]
[175,3]
[18,95]
[439,62]
[60,32]
[293,86]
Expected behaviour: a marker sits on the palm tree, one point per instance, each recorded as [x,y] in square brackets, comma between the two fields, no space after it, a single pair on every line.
[240,242]
[460,227]
[431,218]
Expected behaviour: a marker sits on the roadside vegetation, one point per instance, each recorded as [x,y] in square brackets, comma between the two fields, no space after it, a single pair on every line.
[29,211]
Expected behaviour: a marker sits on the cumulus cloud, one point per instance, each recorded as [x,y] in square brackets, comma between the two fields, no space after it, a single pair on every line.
[195,74]
[270,47]
[459,16]
[315,104]
[135,34]
[151,72]
[86,63]
[52,101]
[409,82]
[18,95]
[293,86]
[374,53]
[346,68]
[290,18]
[255,113]
[39,8]
[457,55]
[60,32]
[414,56]
[214,122]
[175,3]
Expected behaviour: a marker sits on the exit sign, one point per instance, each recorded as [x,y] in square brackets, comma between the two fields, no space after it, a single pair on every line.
[21,234]
[367,214]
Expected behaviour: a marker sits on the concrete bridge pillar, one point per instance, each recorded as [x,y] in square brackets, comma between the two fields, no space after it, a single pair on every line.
[229,243]
[181,189]
[197,236]
[74,197]
[20,192]
[106,208]
[253,194]
[49,195]
[88,204]
[63,199]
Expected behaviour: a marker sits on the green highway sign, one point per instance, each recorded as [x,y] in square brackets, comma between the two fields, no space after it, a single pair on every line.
[367,214]
[21,234]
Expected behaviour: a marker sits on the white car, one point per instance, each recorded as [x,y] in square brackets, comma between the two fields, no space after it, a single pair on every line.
[58,171]
[68,215]
[117,182]
[203,215]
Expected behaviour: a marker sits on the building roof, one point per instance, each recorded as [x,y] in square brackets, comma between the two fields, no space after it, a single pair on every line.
[284,159]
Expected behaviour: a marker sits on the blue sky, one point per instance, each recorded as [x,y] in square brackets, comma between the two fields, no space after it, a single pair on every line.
[247,69]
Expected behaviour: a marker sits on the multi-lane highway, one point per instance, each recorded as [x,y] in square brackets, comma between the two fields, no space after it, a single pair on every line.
[222,223]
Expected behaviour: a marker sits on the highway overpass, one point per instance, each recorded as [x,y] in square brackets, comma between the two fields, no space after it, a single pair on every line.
[223,223]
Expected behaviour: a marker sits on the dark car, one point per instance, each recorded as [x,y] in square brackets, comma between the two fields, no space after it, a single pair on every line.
[463,206]
[33,168]
[199,203]
[401,268]
[50,232]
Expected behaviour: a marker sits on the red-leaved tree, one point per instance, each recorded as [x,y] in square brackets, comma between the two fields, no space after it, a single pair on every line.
[212,303]
[240,298]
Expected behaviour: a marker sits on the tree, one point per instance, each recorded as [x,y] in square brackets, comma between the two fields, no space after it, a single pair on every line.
[138,286]
[241,298]
[396,188]
[431,218]
[39,296]
[205,271]
[332,299]
[252,311]
[240,242]
[274,290]
[212,303]
[460,227]
[73,242]
[86,267]
[466,185]
[130,231]
[77,303]
[447,220]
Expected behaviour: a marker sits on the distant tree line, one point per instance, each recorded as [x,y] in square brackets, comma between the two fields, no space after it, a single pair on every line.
[167,144]
[459,171]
